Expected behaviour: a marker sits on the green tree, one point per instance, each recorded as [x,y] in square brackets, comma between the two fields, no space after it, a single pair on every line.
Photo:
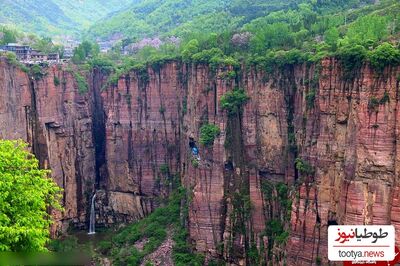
[208,133]
[45,45]
[384,55]
[84,50]
[332,37]
[26,195]
[9,36]
[190,49]
[277,35]
[89,49]
[352,57]
[372,28]
[79,55]
[232,101]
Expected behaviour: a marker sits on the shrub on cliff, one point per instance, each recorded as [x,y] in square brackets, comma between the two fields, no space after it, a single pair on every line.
[373,104]
[310,98]
[82,84]
[207,56]
[385,98]
[214,56]
[232,101]
[56,81]
[352,57]
[195,163]
[36,72]
[102,63]
[304,167]
[12,59]
[164,169]
[384,55]
[275,231]
[208,133]
[26,195]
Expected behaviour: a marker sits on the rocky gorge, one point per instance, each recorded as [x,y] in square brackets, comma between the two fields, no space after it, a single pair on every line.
[310,148]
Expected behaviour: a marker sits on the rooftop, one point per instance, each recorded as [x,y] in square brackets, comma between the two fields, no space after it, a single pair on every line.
[17,45]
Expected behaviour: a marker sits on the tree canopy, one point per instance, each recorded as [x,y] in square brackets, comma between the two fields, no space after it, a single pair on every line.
[27,193]
[283,34]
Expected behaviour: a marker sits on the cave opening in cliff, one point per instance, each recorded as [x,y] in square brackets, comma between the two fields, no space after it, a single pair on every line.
[229,166]
[192,143]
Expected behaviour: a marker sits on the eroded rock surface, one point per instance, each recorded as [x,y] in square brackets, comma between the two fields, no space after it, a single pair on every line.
[131,141]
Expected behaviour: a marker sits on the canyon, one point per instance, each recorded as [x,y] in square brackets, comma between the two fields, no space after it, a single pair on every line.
[309,149]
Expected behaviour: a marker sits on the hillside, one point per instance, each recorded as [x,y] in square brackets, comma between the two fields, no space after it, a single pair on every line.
[294,33]
[152,17]
[179,17]
[53,17]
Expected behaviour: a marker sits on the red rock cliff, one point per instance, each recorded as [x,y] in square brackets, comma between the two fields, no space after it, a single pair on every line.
[56,121]
[246,196]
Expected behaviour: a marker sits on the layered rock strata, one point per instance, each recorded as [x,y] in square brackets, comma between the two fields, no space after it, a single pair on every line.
[130,142]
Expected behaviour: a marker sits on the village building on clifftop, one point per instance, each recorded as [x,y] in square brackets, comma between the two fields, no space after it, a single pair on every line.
[26,54]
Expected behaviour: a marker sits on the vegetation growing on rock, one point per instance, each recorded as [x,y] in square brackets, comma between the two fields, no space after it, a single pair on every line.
[208,133]
[56,81]
[310,98]
[37,72]
[304,167]
[83,87]
[233,101]
[277,228]
[384,55]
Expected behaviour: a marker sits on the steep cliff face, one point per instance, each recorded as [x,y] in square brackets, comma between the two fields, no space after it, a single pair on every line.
[56,121]
[351,138]
[344,131]
[141,128]
[308,149]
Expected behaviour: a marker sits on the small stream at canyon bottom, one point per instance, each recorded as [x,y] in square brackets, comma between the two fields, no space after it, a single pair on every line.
[86,239]
[81,241]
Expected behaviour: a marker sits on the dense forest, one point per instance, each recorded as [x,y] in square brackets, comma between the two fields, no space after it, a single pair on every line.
[176,17]
[236,31]
[354,31]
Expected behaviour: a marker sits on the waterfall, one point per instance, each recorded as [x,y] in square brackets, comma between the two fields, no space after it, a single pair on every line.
[92,224]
